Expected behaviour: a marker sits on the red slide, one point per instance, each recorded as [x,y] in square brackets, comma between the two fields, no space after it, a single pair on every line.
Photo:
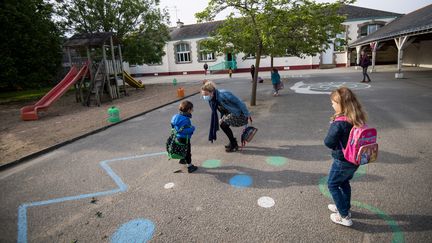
[29,113]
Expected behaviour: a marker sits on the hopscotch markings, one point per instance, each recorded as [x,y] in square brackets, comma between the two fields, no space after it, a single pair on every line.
[325,87]
[122,187]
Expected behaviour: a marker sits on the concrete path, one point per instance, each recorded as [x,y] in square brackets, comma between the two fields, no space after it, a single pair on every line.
[118,185]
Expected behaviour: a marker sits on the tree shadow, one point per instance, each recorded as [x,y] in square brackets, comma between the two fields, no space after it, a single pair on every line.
[407,223]
[317,153]
[269,179]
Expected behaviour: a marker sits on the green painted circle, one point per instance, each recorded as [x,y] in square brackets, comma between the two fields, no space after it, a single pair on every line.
[211,163]
[276,160]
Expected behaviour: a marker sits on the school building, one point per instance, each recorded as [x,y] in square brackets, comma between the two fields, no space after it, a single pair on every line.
[184,55]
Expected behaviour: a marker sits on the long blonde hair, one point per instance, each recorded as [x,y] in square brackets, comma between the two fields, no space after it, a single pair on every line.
[350,106]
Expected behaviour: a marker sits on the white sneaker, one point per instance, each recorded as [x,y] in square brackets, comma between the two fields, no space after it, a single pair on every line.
[336,218]
[333,208]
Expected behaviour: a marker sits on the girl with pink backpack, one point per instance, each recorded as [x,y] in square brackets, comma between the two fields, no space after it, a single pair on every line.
[348,114]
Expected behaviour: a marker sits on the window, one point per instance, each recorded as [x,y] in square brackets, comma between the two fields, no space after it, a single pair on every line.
[207,56]
[369,29]
[340,42]
[252,56]
[183,53]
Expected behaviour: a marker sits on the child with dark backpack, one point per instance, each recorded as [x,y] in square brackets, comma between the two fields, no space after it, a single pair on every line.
[348,114]
[184,129]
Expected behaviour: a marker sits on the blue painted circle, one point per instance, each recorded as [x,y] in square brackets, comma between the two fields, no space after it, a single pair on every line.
[137,230]
[241,181]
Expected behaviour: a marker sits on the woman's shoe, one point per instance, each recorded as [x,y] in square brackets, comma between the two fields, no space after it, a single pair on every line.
[229,144]
[232,148]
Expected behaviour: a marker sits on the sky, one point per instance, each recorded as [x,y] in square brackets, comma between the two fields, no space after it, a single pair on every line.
[185,9]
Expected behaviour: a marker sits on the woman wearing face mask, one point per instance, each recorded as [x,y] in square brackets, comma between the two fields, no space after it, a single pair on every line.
[233,113]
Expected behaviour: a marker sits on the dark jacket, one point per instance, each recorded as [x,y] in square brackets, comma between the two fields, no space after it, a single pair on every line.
[178,121]
[338,133]
[364,61]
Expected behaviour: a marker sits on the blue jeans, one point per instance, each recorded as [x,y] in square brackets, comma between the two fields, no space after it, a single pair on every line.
[341,173]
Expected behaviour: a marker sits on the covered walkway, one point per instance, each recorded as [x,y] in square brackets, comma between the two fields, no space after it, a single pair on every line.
[411,33]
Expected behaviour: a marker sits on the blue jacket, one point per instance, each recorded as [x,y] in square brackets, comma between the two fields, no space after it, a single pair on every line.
[275,77]
[338,133]
[230,102]
[178,121]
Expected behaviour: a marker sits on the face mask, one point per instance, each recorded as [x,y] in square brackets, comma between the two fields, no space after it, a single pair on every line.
[206,97]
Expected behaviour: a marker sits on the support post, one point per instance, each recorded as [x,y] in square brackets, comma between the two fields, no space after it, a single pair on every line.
[358,49]
[400,41]
[122,70]
[89,63]
[114,68]
[106,73]
[373,46]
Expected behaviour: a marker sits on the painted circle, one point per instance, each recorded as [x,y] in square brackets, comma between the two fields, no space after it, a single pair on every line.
[169,185]
[137,230]
[266,202]
[211,163]
[276,160]
[241,181]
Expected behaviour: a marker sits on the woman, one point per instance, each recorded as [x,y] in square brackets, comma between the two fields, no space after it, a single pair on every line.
[233,111]
[364,63]
[252,71]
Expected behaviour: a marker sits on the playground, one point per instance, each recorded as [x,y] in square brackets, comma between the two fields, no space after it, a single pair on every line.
[67,119]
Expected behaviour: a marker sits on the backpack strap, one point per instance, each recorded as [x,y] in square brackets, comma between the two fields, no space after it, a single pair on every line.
[175,132]
[341,118]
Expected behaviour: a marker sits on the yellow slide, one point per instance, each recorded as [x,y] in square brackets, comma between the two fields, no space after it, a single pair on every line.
[131,81]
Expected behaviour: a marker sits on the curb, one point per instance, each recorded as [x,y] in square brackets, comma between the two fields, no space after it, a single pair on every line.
[56,146]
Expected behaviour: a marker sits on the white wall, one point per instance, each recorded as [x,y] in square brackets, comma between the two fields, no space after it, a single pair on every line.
[418,54]
[169,64]
[353,26]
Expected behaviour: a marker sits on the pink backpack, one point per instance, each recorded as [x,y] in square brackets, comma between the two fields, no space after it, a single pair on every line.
[361,146]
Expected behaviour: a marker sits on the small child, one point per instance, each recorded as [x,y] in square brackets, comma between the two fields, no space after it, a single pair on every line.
[275,78]
[344,103]
[230,72]
[182,120]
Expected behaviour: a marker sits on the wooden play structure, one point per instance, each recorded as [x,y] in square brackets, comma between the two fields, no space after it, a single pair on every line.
[104,56]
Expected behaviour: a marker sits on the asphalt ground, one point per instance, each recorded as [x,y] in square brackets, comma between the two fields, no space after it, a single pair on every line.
[119,186]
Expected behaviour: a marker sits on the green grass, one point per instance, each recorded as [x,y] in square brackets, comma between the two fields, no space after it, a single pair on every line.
[25,95]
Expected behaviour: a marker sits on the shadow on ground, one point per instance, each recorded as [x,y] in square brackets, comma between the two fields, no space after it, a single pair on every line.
[317,153]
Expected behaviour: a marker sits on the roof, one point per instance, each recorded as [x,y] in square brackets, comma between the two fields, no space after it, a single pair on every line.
[353,12]
[90,39]
[204,29]
[194,30]
[417,22]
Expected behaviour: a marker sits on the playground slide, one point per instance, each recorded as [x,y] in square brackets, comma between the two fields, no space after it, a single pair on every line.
[131,81]
[29,113]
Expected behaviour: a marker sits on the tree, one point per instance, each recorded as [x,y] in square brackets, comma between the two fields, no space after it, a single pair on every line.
[138,23]
[273,27]
[30,44]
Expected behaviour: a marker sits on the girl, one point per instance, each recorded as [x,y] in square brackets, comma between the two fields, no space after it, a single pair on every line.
[182,120]
[275,78]
[234,113]
[345,104]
